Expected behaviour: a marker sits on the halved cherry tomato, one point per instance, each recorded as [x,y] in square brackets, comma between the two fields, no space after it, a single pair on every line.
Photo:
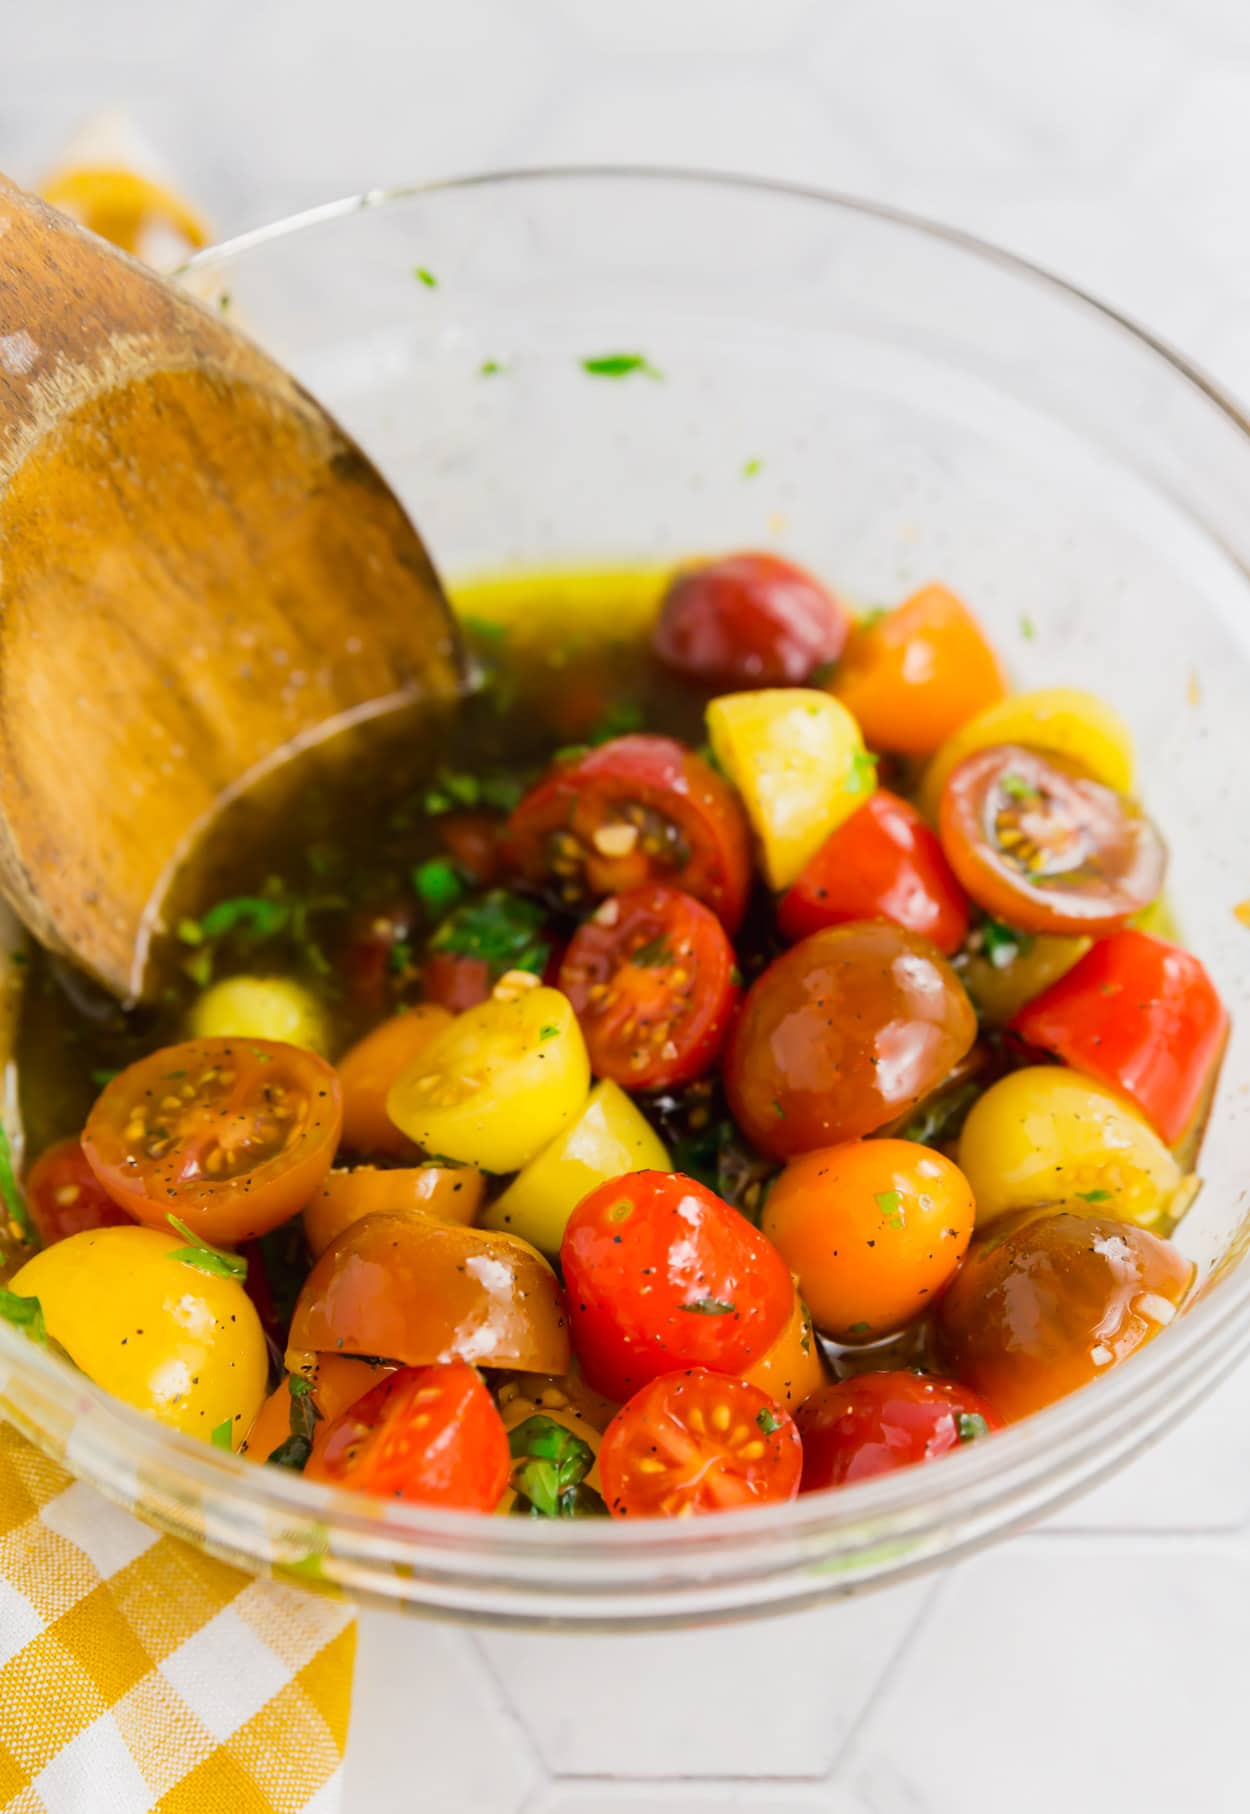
[64,1196]
[636,810]
[336,1381]
[1039,844]
[451,1193]
[455,983]
[915,675]
[841,1034]
[1055,1302]
[872,1229]
[884,863]
[471,839]
[697,1442]
[651,978]
[659,1273]
[430,1435]
[374,956]
[1142,1016]
[749,620]
[233,1136]
[882,1421]
[368,1070]
[416,1290]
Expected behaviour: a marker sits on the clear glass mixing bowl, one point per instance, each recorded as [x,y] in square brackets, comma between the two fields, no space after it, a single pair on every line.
[919,406]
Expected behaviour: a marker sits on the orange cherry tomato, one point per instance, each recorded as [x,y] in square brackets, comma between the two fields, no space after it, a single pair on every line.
[749,620]
[337,1380]
[368,1070]
[232,1136]
[841,1034]
[452,1193]
[914,676]
[697,1442]
[882,1421]
[1038,843]
[415,1290]
[1054,1303]
[873,1230]
[64,1196]
[430,1435]
[792,1369]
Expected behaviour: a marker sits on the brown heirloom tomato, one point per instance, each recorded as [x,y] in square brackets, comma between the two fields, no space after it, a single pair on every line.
[750,620]
[842,1033]
[232,1136]
[451,1193]
[1055,1302]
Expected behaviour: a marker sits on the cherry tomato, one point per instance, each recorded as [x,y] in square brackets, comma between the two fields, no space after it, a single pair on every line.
[659,1273]
[882,1421]
[636,810]
[1039,844]
[231,1136]
[1055,1302]
[64,1196]
[749,620]
[430,1435]
[374,957]
[651,979]
[337,1381]
[913,676]
[450,1193]
[884,863]
[697,1442]
[1142,1016]
[841,1034]
[873,1230]
[471,839]
[453,982]
[368,1070]
[793,1367]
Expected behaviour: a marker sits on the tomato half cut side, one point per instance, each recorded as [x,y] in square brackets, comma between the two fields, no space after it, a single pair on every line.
[697,1442]
[232,1136]
[881,1421]
[640,809]
[750,620]
[1038,843]
[64,1196]
[651,976]
[428,1435]
[1141,1015]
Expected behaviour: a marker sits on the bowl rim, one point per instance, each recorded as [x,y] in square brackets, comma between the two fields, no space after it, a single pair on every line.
[982,1480]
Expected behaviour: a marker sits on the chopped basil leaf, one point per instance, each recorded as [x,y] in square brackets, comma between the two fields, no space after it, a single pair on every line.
[223,1435]
[254,914]
[709,1307]
[655,954]
[548,1033]
[102,1078]
[618,721]
[859,1328]
[485,629]
[890,1203]
[437,883]
[297,1447]
[24,1312]
[1094,1196]
[942,1116]
[1003,944]
[299,1386]
[862,776]
[1017,788]
[550,1464]
[970,1425]
[498,792]
[620,365]
[10,1191]
[503,929]
[205,1258]
[767,1421]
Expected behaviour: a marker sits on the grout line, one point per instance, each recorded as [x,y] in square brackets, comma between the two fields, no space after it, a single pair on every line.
[915,1625]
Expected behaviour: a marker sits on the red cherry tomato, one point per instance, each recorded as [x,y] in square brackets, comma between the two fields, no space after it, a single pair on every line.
[372,958]
[881,1421]
[64,1196]
[1141,1015]
[697,1442]
[472,841]
[636,810]
[659,1273]
[454,982]
[430,1435]
[841,1034]
[751,620]
[883,863]
[233,1136]
[651,979]
[1040,844]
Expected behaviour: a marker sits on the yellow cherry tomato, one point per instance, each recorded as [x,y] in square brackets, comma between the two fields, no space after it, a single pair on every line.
[261,1007]
[797,758]
[1045,1136]
[1063,720]
[180,1343]
[872,1230]
[792,1369]
[499,1084]
[609,1137]
[1000,983]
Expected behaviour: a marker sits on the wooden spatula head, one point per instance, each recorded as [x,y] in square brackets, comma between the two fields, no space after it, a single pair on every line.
[198,569]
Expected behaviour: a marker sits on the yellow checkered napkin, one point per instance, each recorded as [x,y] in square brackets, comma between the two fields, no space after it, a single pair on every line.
[138,1676]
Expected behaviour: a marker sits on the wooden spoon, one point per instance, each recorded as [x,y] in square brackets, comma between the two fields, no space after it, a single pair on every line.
[198,570]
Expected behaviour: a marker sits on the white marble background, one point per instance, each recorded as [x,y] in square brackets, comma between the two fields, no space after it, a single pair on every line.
[1097,1665]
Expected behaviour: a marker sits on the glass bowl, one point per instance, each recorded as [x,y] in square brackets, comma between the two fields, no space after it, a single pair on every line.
[889,402]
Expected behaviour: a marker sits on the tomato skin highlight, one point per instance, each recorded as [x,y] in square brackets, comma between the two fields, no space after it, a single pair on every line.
[884,863]
[842,1033]
[749,620]
[427,1435]
[651,978]
[1140,1015]
[659,1274]
[232,1136]
[64,1196]
[696,1442]
[878,1422]
[574,827]
[367,1072]
[1039,843]
[914,676]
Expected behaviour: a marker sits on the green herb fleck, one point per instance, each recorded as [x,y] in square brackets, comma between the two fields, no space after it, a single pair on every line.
[438,884]
[942,1116]
[426,277]
[19,958]
[1017,788]
[10,1192]
[805,1329]
[751,467]
[656,954]
[778,1111]
[223,1435]
[970,1425]
[503,929]
[548,1032]
[452,791]
[709,1307]
[620,365]
[294,1451]
[862,775]
[871,616]
[767,1421]
[618,721]
[1028,629]
[859,1328]
[1094,1196]
[485,629]
[190,932]
[225,302]
[822,674]
[490,368]
[24,1313]
[890,1203]
[255,915]
[1003,944]
[550,1465]
[205,1258]
[199,967]
[102,1078]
